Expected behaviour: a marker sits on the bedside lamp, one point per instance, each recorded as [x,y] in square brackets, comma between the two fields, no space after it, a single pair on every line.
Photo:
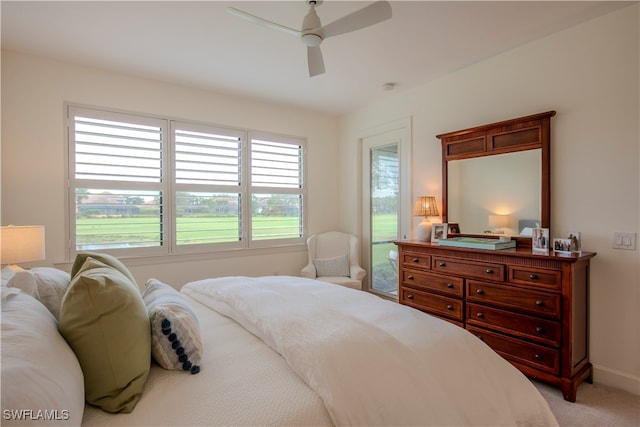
[498,223]
[425,206]
[21,244]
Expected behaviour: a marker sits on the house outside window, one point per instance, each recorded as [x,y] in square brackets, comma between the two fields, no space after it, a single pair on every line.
[142,185]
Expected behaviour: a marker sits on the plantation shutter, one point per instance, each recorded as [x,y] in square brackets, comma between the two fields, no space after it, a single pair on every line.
[117,188]
[208,186]
[141,185]
[117,151]
[277,188]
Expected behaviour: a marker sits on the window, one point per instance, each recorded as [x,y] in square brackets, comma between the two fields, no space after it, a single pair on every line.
[143,186]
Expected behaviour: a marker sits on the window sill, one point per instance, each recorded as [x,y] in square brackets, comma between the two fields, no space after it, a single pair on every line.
[200,256]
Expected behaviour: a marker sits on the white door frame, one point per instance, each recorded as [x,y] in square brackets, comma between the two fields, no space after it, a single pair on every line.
[399,132]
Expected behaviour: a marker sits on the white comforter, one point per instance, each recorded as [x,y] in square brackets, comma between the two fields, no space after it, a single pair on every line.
[375,362]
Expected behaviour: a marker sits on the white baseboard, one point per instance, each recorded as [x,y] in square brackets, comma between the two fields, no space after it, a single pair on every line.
[616,379]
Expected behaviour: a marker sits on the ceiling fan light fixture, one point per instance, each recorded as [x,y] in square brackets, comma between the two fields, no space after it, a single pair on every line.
[311,40]
[313,32]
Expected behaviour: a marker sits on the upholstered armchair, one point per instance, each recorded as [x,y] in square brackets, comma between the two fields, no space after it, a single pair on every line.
[334,257]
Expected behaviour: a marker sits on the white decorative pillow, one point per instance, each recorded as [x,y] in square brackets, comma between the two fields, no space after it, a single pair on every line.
[175,333]
[332,267]
[41,378]
[45,284]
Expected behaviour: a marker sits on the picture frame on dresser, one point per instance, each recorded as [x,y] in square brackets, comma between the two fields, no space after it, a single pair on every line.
[562,246]
[438,232]
[540,240]
[576,241]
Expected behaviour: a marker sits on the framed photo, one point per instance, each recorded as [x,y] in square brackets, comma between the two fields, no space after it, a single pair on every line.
[454,228]
[562,246]
[540,240]
[438,232]
[576,241]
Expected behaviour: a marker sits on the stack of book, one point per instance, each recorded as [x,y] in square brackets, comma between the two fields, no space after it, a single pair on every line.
[478,243]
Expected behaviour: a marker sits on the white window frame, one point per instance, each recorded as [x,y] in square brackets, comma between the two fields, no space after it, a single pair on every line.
[169,187]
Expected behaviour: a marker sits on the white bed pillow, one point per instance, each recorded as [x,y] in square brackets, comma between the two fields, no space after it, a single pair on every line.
[332,267]
[41,378]
[46,284]
[175,333]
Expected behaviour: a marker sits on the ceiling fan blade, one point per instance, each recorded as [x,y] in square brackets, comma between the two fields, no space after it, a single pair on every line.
[370,15]
[316,63]
[260,21]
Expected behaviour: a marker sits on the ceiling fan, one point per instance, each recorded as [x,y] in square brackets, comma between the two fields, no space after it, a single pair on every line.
[313,32]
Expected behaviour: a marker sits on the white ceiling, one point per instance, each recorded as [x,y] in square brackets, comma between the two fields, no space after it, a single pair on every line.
[199,44]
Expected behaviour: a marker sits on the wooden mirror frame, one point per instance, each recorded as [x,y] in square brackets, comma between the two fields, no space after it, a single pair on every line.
[524,133]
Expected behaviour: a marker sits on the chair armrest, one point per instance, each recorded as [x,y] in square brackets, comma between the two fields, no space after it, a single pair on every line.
[357,272]
[309,271]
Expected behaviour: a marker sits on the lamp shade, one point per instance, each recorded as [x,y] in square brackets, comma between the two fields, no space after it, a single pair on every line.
[499,221]
[426,206]
[21,244]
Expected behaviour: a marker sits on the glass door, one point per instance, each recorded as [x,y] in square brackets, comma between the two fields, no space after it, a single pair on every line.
[386,157]
[384,184]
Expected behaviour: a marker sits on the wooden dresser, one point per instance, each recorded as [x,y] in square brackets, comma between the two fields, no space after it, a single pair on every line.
[532,309]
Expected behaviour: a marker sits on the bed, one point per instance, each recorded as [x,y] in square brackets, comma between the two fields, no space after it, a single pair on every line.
[275,350]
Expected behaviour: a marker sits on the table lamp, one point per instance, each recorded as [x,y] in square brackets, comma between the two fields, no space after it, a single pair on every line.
[498,223]
[425,206]
[21,244]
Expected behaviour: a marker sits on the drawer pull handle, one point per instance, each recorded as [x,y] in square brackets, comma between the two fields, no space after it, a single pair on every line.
[539,303]
[450,307]
[479,291]
[450,285]
[538,357]
[410,296]
[489,271]
[533,276]
[480,315]
[416,260]
[443,264]
[540,329]
[410,277]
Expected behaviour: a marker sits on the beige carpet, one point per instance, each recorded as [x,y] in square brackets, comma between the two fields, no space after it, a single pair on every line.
[595,406]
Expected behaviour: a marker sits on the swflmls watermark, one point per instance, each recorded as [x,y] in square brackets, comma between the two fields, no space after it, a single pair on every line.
[35,414]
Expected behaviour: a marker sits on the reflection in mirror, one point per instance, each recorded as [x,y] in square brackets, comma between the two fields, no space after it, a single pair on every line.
[497,194]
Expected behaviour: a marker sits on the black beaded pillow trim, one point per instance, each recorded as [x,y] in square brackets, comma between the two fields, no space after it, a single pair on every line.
[183,357]
[176,343]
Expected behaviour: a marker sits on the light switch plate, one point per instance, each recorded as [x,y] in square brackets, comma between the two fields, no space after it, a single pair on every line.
[624,240]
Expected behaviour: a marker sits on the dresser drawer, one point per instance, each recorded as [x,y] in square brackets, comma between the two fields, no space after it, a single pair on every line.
[549,279]
[448,285]
[521,352]
[541,330]
[416,260]
[478,270]
[431,303]
[529,302]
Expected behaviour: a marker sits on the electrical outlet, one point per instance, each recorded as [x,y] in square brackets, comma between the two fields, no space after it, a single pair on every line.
[624,240]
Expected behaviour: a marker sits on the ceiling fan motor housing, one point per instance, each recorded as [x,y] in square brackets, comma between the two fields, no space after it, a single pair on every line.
[311,40]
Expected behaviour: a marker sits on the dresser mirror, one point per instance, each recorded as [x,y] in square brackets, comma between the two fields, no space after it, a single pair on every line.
[496,177]
[497,194]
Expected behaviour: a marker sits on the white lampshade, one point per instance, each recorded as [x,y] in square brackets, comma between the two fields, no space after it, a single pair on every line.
[499,221]
[21,244]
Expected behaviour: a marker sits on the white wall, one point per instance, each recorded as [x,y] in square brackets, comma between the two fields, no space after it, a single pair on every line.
[589,74]
[33,142]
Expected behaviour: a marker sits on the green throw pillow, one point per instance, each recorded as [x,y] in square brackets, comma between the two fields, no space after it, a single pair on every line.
[105,321]
[107,259]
